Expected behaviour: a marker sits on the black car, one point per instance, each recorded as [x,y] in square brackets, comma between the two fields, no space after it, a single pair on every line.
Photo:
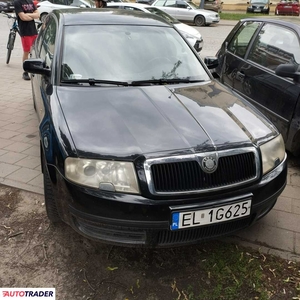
[7,6]
[139,144]
[260,60]
[259,6]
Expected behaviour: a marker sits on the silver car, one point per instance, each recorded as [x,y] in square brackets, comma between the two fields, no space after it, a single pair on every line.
[188,12]
[192,35]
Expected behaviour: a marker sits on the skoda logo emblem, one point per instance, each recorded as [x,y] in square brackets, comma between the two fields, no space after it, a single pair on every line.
[209,164]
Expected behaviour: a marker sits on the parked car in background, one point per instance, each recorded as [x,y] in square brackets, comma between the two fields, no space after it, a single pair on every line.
[214,5]
[188,12]
[145,148]
[46,6]
[192,35]
[291,8]
[260,60]
[149,2]
[259,6]
[7,5]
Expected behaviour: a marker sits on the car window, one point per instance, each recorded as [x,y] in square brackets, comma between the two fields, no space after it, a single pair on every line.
[170,57]
[275,45]
[131,8]
[240,42]
[162,14]
[48,42]
[181,4]
[170,3]
[160,3]
[61,2]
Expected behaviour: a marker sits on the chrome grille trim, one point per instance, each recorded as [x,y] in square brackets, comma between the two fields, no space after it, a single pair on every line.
[198,157]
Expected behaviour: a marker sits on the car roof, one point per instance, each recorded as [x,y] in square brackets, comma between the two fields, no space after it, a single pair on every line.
[137,5]
[107,16]
[285,21]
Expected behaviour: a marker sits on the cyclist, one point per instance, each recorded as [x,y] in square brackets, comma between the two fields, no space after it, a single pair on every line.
[26,13]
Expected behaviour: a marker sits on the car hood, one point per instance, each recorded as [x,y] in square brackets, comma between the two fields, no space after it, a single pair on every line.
[130,121]
[188,29]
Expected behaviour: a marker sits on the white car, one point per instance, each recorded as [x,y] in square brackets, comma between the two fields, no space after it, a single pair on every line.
[187,12]
[45,7]
[192,35]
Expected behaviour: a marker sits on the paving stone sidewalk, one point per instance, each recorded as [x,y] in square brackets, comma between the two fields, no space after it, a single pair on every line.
[278,232]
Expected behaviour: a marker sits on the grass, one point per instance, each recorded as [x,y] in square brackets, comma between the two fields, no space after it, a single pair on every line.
[210,271]
[237,16]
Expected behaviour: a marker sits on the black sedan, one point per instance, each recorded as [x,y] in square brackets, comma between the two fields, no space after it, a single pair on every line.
[260,60]
[139,144]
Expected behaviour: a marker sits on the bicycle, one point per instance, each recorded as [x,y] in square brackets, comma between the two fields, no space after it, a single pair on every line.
[11,36]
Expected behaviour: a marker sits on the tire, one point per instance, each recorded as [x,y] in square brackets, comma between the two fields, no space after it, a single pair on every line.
[43,17]
[199,20]
[10,45]
[51,207]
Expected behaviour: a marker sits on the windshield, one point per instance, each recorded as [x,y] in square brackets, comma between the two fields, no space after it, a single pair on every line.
[162,14]
[260,1]
[127,53]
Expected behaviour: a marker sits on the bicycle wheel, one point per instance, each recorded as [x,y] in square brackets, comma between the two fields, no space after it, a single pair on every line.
[10,45]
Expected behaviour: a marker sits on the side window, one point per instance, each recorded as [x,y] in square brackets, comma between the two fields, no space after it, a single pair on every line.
[131,8]
[161,3]
[62,2]
[48,41]
[275,45]
[170,3]
[181,4]
[239,44]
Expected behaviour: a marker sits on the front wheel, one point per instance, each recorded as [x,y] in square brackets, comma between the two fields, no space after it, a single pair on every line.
[10,45]
[199,21]
[50,203]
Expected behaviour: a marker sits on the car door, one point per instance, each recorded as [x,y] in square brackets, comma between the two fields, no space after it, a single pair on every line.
[168,6]
[184,12]
[234,50]
[45,51]
[255,76]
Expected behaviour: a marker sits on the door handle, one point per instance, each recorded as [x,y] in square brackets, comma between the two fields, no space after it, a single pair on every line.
[240,76]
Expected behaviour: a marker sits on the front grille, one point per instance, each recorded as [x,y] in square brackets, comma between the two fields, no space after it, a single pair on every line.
[185,176]
[169,238]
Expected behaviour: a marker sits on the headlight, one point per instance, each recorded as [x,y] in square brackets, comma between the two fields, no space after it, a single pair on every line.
[103,174]
[272,153]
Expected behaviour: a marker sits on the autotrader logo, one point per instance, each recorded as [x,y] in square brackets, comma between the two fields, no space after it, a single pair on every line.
[27,293]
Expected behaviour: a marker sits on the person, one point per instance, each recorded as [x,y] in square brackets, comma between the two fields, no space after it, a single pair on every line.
[26,14]
[100,3]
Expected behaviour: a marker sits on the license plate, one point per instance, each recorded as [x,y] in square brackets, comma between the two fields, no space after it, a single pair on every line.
[287,7]
[257,10]
[195,218]
[12,7]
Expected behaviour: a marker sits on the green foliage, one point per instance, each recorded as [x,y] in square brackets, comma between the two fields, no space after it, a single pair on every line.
[237,16]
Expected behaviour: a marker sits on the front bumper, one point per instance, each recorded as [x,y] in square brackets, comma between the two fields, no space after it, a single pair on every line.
[258,10]
[135,220]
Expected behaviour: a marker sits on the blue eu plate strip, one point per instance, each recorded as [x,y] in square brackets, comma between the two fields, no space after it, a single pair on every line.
[175,221]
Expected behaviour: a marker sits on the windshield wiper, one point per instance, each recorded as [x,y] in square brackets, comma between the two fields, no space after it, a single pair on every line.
[92,81]
[163,81]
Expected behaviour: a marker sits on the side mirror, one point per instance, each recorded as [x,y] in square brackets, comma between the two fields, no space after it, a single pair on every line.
[211,62]
[36,66]
[287,70]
